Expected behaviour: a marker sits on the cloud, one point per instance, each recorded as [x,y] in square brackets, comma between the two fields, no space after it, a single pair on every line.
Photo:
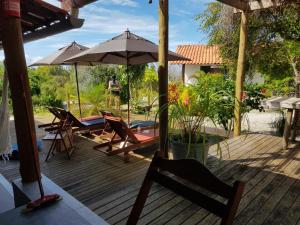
[53,2]
[129,3]
[109,21]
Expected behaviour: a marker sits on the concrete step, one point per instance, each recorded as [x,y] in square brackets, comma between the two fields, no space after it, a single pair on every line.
[6,195]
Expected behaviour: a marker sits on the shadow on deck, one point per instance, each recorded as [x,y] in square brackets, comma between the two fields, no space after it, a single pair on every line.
[109,187]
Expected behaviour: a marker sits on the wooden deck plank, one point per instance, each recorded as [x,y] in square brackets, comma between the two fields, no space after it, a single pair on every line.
[109,187]
[288,209]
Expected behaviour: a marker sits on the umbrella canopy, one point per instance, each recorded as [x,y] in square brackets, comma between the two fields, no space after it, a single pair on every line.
[124,49]
[59,57]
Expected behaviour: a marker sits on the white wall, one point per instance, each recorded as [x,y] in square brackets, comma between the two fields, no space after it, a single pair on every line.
[189,71]
[256,78]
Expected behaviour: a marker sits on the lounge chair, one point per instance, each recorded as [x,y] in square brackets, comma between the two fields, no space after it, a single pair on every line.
[84,125]
[56,120]
[129,138]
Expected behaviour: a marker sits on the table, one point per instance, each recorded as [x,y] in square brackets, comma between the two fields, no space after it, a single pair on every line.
[292,104]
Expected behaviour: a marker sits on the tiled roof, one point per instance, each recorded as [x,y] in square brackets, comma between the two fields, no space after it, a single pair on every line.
[199,54]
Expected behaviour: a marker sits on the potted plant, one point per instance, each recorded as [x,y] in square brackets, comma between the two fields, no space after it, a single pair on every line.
[188,110]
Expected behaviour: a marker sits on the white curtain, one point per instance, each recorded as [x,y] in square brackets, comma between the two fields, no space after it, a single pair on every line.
[5,145]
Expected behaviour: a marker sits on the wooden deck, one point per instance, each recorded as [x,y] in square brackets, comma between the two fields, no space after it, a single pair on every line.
[109,187]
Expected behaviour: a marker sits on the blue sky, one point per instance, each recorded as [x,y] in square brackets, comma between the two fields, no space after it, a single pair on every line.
[105,19]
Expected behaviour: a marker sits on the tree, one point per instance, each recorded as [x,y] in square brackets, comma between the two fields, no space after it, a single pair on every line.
[274,35]
[135,74]
[150,82]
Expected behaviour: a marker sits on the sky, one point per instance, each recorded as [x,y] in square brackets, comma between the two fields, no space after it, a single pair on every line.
[105,19]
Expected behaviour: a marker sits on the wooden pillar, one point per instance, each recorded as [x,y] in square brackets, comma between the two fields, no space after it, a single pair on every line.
[240,73]
[183,73]
[22,104]
[163,13]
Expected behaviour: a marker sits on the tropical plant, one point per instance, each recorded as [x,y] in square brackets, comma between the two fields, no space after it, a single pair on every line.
[188,110]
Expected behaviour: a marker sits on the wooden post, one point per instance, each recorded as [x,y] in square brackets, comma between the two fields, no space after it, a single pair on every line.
[163,13]
[240,73]
[22,103]
[287,128]
[183,73]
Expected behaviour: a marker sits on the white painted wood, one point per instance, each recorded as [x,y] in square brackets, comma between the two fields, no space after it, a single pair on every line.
[281,103]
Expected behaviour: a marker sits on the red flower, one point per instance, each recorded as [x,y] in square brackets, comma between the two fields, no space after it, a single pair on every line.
[264,90]
[244,95]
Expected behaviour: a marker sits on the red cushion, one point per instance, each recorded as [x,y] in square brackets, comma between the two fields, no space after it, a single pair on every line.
[143,136]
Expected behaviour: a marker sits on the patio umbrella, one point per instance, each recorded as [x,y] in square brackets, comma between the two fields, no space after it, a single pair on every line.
[59,57]
[124,49]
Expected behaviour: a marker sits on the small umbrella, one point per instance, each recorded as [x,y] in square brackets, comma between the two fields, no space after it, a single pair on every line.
[59,57]
[124,49]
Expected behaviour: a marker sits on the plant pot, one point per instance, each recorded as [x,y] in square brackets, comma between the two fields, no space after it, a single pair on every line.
[197,151]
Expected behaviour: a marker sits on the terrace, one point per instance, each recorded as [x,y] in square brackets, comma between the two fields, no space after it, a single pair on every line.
[109,187]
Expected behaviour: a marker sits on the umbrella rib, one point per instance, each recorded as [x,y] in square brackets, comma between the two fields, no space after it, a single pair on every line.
[102,57]
[148,53]
[117,54]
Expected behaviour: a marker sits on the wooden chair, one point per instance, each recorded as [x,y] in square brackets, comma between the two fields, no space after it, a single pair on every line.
[129,140]
[61,136]
[194,172]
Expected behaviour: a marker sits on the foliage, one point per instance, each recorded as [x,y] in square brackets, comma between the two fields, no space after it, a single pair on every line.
[273,33]
[44,82]
[101,73]
[135,74]
[252,97]
[223,90]
[187,113]
[1,77]
[96,97]
[279,87]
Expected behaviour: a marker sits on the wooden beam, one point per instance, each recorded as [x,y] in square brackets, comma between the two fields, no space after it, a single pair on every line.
[240,73]
[22,103]
[163,13]
[183,73]
[238,4]
[261,4]
[264,4]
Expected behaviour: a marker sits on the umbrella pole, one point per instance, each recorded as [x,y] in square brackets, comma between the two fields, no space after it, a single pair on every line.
[78,94]
[128,89]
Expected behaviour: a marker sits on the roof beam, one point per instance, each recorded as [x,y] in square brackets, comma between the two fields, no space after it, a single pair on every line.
[255,5]
[264,4]
[238,4]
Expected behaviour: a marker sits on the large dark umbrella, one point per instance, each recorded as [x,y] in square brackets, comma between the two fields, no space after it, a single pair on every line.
[124,49]
[59,57]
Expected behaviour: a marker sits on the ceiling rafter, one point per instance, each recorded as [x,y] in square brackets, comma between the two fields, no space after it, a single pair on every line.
[248,5]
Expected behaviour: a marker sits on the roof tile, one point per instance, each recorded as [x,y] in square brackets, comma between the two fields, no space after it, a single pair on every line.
[199,54]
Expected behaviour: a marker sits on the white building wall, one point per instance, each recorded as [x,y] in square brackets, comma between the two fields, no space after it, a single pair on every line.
[189,71]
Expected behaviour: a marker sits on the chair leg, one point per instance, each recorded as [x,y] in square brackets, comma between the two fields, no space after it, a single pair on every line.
[52,147]
[139,202]
[65,146]
[126,157]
